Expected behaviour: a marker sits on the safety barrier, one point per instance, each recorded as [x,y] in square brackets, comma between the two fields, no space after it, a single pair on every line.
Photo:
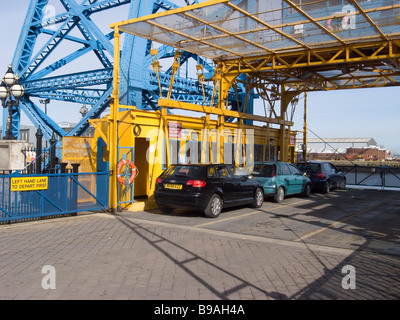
[382,177]
[27,197]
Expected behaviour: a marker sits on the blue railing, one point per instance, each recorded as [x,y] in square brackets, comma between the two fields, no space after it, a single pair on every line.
[66,193]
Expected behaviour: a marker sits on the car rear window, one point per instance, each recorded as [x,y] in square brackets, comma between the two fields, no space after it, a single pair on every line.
[309,167]
[183,171]
[264,170]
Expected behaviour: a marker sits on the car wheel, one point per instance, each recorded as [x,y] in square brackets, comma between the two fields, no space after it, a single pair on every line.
[165,209]
[342,185]
[326,187]
[279,195]
[307,190]
[214,207]
[258,198]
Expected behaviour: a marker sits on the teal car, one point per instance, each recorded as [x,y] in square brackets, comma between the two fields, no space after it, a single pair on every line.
[281,179]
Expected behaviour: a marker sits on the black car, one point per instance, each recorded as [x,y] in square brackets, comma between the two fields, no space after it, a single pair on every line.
[324,175]
[207,188]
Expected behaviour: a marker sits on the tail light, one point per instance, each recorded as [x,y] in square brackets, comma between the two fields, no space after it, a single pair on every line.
[273,171]
[319,175]
[158,180]
[196,183]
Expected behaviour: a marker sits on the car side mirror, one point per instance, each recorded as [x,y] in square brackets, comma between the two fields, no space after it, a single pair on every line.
[247,177]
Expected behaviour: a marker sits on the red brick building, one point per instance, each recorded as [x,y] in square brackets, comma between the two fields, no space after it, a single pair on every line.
[343,148]
[368,153]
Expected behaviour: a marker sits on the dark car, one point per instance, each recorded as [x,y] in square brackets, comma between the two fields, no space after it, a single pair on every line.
[324,175]
[207,188]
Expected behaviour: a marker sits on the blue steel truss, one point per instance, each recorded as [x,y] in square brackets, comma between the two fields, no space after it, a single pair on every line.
[45,74]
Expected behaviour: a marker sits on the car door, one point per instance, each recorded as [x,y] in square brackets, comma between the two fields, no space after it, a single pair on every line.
[228,184]
[244,185]
[286,178]
[296,179]
[214,180]
[335,176]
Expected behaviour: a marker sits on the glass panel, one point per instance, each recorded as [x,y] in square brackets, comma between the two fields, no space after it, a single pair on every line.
[202,32]
[342,20]
[236,45]
[271,39]
[204,49]
[284,169]
[175,21]
[388,20]
[141,28]
[239,24]
[267,11]
[310,5]
[264,170]
[215,13]
[334,3]
[293,170]
[223,172]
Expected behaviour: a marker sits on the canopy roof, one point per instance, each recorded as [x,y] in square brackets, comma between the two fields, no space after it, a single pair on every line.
[359,37]
[234,29]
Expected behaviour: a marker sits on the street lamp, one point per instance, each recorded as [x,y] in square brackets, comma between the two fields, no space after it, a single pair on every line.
[45,102]
[84,110]
[10,88]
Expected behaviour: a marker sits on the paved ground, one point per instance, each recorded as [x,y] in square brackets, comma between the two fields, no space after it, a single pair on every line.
[291,251]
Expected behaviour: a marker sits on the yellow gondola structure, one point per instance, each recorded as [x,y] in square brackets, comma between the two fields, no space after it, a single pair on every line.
[284,48]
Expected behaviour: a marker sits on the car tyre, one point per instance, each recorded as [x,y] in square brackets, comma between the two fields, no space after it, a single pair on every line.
[342,185]
[214,207]
[165,209]
[258,199]
[326,187]
[279,195]
[307,190]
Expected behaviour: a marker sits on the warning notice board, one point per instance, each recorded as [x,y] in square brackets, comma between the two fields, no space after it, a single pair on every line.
[29,183]
[174,130]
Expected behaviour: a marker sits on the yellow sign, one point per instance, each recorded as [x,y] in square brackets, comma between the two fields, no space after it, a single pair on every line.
[29,183]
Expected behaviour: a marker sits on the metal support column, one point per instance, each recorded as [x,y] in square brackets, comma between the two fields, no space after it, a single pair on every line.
[113,120]
[305,128]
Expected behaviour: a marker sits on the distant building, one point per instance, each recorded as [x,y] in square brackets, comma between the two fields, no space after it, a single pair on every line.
[28,132]
[375,153]
[343,148]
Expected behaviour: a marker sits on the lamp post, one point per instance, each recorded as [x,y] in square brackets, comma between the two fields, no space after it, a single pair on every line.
[11,91]
[84,110]
[45,102]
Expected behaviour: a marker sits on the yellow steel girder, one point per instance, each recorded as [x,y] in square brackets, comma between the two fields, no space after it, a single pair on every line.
[318,57]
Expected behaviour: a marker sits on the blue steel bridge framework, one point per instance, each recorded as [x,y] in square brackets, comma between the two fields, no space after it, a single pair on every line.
[44,74]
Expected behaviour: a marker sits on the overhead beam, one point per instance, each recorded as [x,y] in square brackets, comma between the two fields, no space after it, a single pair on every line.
[318,57]
[221,112]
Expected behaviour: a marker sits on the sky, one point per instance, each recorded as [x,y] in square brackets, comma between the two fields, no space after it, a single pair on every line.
[359,113]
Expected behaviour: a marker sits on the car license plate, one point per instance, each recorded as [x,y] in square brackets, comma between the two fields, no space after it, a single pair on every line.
[173,186]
